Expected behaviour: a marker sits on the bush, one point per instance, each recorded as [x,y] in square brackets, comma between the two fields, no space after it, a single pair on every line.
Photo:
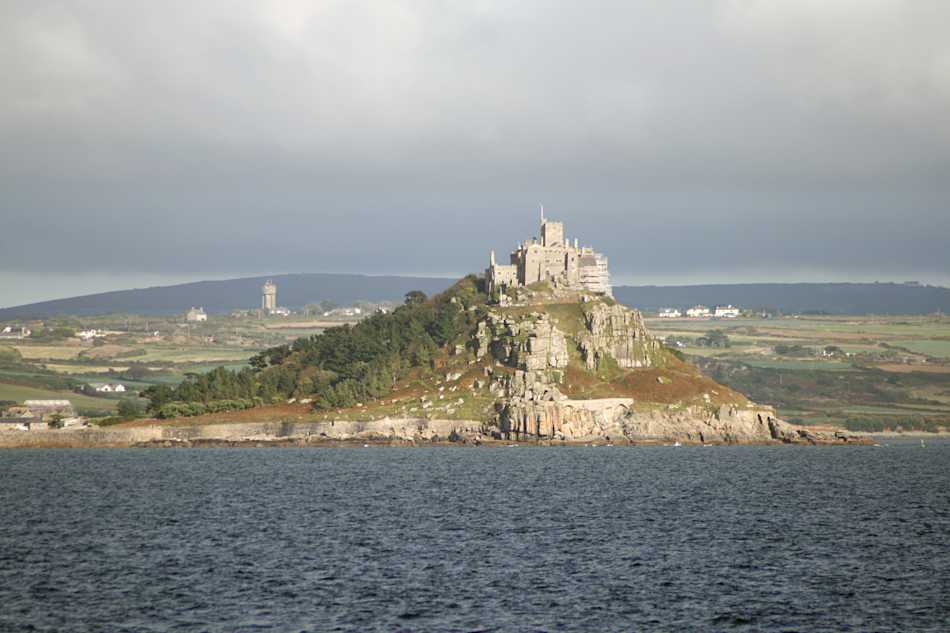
[793,350]
[190,409]
[129,409]
[713,338]
[10,356]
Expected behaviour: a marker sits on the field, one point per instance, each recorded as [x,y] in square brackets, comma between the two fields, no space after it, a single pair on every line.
[866,373]
[19,393]
[133,355]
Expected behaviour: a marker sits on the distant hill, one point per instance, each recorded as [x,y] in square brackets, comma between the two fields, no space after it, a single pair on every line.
[830,298]
[293,291]
[296,290]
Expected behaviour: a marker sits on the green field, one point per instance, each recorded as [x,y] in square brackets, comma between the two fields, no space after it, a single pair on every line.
[862,372]
[19,393]
[129,354]
[939,349]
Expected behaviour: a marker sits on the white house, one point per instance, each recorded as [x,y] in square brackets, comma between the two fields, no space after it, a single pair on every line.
[196,315]
[669,313]
[726,312]
[12,331]
[109,388]
[698,312]
[88,335]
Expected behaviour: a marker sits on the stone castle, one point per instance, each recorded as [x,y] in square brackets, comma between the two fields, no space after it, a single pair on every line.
[553,259]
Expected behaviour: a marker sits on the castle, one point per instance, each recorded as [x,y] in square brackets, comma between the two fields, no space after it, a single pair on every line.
[551,259]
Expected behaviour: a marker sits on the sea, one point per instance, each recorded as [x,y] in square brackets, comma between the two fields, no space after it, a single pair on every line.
[514,538]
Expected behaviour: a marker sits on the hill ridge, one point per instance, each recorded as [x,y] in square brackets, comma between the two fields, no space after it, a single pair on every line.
[297,289]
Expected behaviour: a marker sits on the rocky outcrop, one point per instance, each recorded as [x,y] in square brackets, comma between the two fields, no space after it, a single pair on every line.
[545,347]
[616,332]
[615,419]
[532,343]
[612,420]
[261,433]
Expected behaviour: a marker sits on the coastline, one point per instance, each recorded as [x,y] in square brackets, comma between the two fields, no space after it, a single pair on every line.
[393,432]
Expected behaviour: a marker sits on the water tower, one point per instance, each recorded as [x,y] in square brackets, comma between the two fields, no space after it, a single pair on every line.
[269,296]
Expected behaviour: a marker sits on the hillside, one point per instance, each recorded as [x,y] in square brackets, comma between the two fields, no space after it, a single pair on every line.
[543,364]
[297,290]
[829,298]
[223,296]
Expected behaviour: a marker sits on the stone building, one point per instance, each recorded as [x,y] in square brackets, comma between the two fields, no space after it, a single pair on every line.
[269,297]
[196,315]
[552,258]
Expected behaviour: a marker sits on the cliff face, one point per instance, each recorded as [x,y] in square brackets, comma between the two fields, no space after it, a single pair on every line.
[615,419]
[594,372]
[603,421]
[618,333]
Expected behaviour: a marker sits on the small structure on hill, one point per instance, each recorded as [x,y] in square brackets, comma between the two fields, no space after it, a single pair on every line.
[669,313]
[15,332]
[42,414]
[698,312]
[108,387]
[269,297]
[726,312]
[269,301]
[553,259]
[196,315]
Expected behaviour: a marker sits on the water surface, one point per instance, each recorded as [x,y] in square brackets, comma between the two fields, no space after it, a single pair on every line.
[466,539]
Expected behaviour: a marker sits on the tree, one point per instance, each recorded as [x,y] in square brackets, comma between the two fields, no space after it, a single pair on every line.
[445,327]
[326,305]
[128,409]
[714,338]
[415,297]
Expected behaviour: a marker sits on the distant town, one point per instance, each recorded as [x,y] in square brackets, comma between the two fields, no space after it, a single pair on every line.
[700,312]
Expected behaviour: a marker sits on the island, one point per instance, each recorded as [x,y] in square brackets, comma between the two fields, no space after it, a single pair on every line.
[533,351]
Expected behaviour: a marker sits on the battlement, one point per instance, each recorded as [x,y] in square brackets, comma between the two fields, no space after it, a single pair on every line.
[553,259]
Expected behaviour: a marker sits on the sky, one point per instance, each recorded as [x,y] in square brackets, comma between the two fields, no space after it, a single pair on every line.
[691,141]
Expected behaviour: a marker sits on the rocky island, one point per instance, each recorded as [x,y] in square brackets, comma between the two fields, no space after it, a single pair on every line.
[535,351]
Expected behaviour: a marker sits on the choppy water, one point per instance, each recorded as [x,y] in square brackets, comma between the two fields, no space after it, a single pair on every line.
[446,539]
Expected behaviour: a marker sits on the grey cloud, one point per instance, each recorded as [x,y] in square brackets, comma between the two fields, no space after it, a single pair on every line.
[726,138]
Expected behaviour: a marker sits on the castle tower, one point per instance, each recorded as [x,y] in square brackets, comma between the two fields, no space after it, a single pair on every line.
[269,296]
[552,233]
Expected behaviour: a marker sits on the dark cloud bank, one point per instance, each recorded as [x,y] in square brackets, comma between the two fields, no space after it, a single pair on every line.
[691,141]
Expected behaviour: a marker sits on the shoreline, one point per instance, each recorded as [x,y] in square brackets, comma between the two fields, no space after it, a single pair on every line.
[908,434]
[402,433]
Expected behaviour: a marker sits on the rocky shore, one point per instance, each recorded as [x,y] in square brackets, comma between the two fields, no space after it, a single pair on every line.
[646,429]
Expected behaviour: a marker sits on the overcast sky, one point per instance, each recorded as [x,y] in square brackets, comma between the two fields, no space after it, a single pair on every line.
[691,141]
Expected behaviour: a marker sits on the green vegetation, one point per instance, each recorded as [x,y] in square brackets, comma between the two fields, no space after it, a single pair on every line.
[338,368]
[188,409]
[713,338]
[83,404]
[938,349]
[54,333]
[860,372]
[129,352]
[864,373]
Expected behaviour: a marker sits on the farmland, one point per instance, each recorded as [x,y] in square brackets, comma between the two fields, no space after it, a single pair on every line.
[134,351]
[866,373]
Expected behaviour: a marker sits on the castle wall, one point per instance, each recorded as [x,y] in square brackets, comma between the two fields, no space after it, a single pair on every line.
[552,234]
[553,258]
